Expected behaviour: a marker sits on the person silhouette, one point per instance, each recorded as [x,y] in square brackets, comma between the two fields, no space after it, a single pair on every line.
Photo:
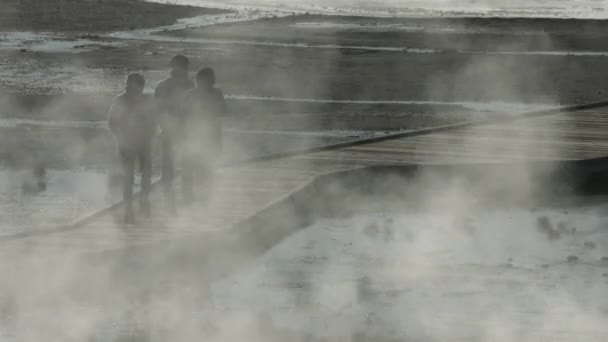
[203,145]
[169,95]
[133,125]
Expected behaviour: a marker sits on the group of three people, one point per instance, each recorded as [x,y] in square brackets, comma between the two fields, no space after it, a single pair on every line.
[189,119]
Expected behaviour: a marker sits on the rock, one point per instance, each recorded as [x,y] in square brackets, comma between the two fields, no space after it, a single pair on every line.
[545,226]
[545,266]
[604,261]
[590,245]
[573,259]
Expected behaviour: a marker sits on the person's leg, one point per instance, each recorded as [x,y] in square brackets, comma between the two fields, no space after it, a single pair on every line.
[128,165]
[168,167]
[168,171]
[145,160]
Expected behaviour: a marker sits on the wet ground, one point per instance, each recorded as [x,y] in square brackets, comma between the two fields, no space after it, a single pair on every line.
[462,274]
[32,203]
[276,54]
[432,276]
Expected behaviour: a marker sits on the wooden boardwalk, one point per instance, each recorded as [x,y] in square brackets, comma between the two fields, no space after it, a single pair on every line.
[245,189]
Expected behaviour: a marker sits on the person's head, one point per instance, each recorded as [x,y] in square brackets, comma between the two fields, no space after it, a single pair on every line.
[205,78]
[135,84]
[179,64]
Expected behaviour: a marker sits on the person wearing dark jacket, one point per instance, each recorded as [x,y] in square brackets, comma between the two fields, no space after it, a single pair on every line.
[169,96]
[203,135]
[133,125]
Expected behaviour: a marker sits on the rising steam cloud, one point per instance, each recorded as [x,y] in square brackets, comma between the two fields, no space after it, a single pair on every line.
[438,257]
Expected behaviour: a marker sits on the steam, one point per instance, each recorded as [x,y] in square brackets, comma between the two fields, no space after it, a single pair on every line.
[439,255]
[442,260]
[435,279]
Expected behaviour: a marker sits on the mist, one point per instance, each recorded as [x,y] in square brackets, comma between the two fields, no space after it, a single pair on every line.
[362,194]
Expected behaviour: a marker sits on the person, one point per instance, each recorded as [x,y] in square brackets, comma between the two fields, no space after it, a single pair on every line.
[133,125]
[169,95]
[202,149]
